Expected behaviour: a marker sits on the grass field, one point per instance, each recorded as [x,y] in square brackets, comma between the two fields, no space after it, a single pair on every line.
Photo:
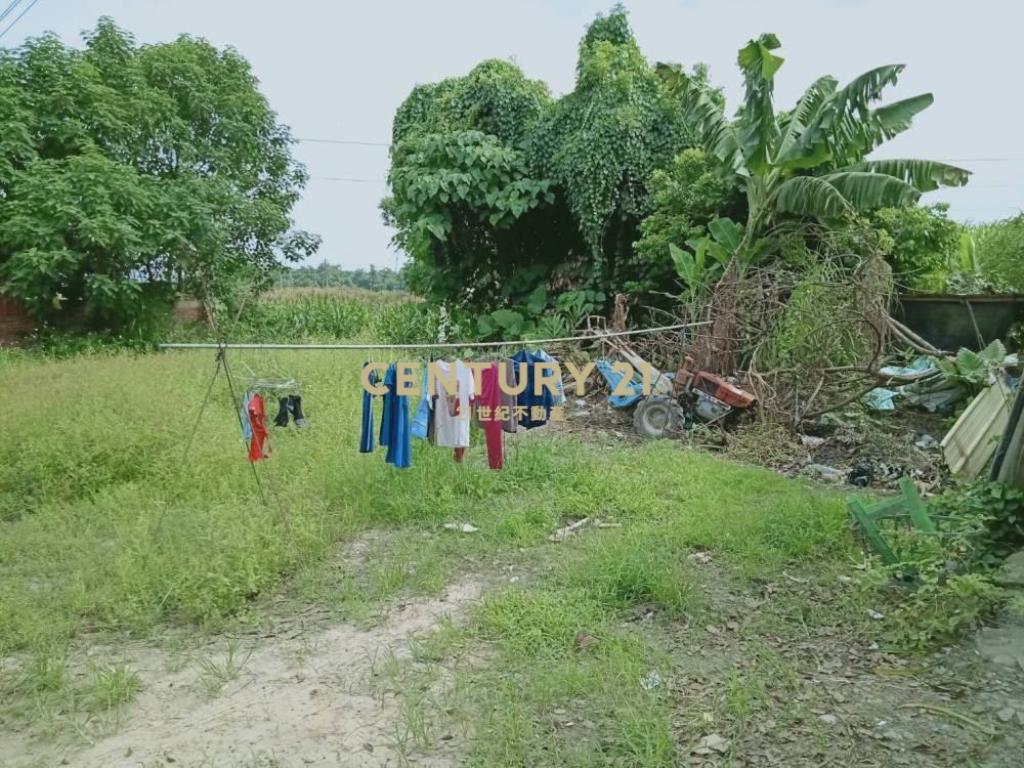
[111,531]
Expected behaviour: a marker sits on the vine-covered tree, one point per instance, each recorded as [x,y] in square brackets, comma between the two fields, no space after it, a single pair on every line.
[498,191]
[128,171]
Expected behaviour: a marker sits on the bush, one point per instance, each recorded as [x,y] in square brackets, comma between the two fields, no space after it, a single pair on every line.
[1000,252]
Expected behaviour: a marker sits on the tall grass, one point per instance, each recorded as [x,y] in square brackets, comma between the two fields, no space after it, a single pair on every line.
[108,524]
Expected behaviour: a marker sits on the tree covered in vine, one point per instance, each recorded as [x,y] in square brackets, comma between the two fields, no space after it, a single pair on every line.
[498,190]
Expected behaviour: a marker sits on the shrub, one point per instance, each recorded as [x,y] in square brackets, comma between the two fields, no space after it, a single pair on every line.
[1000,251]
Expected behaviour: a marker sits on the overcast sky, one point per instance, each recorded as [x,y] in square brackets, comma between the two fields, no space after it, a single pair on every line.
[337,70]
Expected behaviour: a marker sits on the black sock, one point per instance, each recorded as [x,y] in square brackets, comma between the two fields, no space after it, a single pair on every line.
[281,419]
[296,406]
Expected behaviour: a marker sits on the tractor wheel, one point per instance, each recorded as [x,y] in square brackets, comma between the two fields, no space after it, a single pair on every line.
[657,417]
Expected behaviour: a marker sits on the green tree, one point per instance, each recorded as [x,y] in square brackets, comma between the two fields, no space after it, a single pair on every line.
[127,170]
[685,198]
[922,244]
[810,161]
[498,191]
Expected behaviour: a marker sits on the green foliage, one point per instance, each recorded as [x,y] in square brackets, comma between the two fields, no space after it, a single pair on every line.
[326,275]
[975,369]
[130,172]
[497,189]
[820,325]
[941,608]
[458,188]
[809,162]
[1000,252]
[685,197]
[998,507]
[923,244]
[601,143]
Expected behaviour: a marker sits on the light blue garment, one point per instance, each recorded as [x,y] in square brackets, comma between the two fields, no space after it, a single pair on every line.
[244,417]
[544,357]
[421,421]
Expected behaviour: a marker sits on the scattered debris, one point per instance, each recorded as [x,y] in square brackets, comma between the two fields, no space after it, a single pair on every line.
[573,528]
[811,441]
[461,527]
[829,719]
[823,472]
[875,615]
[926,442]
[950,714]
[701,557]
[650,681]
[712,743]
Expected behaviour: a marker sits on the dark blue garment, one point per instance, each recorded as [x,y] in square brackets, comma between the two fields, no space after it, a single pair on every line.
[394,425]
[528,398]
[366,437]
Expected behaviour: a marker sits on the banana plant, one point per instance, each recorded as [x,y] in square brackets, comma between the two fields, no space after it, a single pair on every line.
[701,267]
[810,161]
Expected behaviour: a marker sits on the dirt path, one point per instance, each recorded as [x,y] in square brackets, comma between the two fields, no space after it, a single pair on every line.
[300,698]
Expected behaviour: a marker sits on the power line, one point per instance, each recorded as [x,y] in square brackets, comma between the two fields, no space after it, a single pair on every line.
[7,11]
[348,179]
[348,142]
[19,17]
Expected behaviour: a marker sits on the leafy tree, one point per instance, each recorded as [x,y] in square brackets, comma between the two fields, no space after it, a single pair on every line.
[497,189]
[922,243]
[127,170]
[809,162]
[1000,252]
[685,198]
[600,144]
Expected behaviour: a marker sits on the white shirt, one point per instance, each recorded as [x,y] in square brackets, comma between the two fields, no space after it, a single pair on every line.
[452,431]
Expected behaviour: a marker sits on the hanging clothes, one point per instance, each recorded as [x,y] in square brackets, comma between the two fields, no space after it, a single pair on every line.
[486,406]
[398,438]
[259,445]
[452,411]
[366,435]
[534,408]
[243,417]
[509,401]
[420,428]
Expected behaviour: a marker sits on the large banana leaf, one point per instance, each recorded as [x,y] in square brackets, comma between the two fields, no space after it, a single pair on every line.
[922,175]
[895,118]
[856,95]
[810,196]
[803,144]
[756,128]
[866,191]
[715,133]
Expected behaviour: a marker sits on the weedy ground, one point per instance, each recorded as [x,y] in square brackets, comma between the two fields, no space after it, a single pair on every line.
[144,587]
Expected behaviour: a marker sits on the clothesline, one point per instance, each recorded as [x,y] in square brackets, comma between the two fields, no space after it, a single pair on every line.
[439,345]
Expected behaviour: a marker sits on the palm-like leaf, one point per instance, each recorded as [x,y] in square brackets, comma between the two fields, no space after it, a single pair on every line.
[810,196]
[714,132]
[756,127]
[922,175]
[865,191]
[803,144]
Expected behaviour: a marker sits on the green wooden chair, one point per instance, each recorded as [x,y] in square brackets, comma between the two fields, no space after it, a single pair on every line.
[907,506]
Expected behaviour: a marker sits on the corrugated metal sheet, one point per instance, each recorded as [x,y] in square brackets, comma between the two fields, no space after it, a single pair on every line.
[971,441]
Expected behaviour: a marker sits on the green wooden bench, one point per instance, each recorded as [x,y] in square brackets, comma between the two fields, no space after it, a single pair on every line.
[907,506]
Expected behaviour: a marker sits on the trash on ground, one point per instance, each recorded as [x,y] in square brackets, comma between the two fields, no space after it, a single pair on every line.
[461,527]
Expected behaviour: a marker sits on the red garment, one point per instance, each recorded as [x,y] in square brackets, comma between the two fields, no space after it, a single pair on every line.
[259,445]
[489,400]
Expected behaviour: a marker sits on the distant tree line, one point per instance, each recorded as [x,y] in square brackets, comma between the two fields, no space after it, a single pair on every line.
[326,275]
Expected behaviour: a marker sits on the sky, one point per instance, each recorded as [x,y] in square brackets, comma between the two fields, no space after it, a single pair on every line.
[338,71]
